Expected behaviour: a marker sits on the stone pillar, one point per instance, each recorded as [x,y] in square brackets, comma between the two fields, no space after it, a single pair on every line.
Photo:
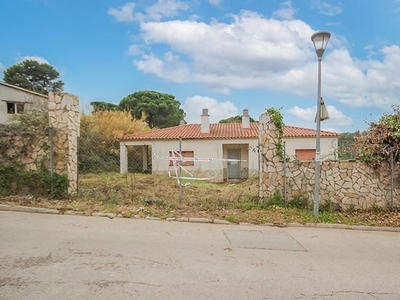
[123,158]
[64,118]
[271,167]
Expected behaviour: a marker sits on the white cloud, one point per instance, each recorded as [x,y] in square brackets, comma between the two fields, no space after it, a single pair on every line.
[326,8]
[237,55]
[305,114]
[373,83]
[161,9]
[2,67]
[286,12]
[193,107]
[39,59]
[124,13]
[214,2]
[253,52]
[336,117]
[165,8]
[134,50]
[170,66]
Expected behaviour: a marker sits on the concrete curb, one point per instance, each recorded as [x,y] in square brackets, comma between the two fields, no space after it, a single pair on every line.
[5,207]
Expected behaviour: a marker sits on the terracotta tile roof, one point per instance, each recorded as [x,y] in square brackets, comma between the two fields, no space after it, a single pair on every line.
[292,131]
[219,131]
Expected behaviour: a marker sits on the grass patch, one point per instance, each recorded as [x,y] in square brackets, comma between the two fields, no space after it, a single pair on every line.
[158,196]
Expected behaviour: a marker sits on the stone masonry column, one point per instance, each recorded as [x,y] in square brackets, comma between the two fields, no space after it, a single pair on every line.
[271,166]
[65,119]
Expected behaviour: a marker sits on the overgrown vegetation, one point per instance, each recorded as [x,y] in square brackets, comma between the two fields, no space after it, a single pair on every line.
[33,122]
[15,181]
[381,141]
[277,120]
[144,195]
[346,148]
[98,144]
[25,131]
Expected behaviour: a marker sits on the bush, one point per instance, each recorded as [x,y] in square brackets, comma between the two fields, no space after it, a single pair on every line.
[7,176]
[40,183]
[98,144]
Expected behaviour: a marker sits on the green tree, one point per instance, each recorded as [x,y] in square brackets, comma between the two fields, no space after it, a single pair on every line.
[381,140]
[32,75]
[235,119]
[104,106]
[346,146]
[161,110]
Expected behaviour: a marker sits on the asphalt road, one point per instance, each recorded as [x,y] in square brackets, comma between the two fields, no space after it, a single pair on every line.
[74,257]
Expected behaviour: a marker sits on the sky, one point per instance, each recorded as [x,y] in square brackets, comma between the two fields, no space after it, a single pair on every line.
[224,55]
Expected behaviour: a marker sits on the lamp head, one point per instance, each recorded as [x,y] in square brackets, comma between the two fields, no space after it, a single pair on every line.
[320,40]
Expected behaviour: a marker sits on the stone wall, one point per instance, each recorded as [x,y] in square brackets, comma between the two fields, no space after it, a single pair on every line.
[31,150]
[65,119]
[343,183]
[54,148]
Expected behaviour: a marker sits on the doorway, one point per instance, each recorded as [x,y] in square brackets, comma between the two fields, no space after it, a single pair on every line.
[233,170]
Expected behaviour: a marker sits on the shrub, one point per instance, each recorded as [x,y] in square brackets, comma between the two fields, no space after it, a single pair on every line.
[98,144]
[40,183]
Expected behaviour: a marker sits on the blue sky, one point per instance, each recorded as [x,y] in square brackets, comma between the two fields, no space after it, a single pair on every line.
[224,55]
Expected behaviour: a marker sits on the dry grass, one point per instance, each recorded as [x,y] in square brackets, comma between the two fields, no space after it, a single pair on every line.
[159,196]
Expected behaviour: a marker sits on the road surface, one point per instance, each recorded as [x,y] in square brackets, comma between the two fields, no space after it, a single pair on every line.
[74,257]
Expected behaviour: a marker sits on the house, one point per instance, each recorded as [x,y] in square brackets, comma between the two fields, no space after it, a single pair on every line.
[15,100]
[231,149]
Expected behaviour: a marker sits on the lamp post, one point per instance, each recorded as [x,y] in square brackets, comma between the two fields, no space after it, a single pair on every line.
[320,40]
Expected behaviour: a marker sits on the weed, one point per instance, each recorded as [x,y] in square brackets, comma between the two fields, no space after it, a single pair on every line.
[276,199]
[376,209]
[351,208]
[298,202]
[329,206]
[232,219]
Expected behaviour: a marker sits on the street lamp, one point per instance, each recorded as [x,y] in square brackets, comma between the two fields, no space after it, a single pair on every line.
[320,40]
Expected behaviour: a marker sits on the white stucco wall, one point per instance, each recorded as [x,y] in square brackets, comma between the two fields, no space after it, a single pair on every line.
[15,94]
[329,146]
[218,149]
[202,149]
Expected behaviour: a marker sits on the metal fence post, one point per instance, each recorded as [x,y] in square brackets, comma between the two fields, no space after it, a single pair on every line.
[51,161]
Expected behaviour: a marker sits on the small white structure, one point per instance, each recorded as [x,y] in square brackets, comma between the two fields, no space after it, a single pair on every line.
[236,141]
[14,100]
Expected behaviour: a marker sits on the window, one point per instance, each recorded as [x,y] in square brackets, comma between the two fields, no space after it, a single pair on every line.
[305,154]
[184,154]
[15,108]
